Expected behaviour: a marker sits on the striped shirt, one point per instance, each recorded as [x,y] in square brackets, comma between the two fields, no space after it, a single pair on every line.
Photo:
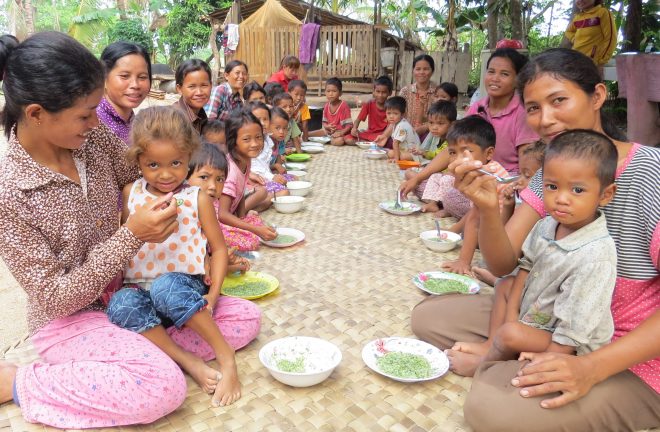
[633,220]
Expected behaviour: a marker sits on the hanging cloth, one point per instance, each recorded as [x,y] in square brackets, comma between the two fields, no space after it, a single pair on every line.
[309,40]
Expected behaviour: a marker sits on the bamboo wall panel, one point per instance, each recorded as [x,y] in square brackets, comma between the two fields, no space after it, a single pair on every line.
[449,66]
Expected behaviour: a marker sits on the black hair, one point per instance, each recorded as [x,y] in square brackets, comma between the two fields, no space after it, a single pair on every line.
[290,61]
[255,105]
[384,80]
[117,50]
[335,82]
[280,113]
[450,88]
[297,83]
[250,88]
[189,66]
[443,108]
[7,44]
[427,58]
[50,69]
[213,126]
[208,154]
[236,121]
[473,129]
[280,97]
[587,145]
[397,103]
[517,60]
[569,65]
[536,149]
[233,64]
[272,89]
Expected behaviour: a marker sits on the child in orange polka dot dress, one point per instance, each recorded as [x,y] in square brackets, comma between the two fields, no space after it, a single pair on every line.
[165,282]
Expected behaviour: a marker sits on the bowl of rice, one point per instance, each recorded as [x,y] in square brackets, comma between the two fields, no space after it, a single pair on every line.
[442,242]
[299,188]
[300,361]
[365,145]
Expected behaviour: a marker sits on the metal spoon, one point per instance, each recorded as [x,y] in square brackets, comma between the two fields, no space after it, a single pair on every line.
[397,203]
[503,180]
[437,227]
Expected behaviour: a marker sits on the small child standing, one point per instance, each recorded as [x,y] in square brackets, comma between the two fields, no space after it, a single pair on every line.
[245,140]
[592,32]
[165,282]
[193,83]
[289,67]
[337,121]
[374,112]
[404,137]
[301,114]
[292,140]
[560,298]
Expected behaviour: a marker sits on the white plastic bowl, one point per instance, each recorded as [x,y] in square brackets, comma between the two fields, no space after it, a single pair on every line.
[375,154]
[288,204]
[299,188]
[313,149]
[440,246]
[365,145]
[320,359]
[299,174]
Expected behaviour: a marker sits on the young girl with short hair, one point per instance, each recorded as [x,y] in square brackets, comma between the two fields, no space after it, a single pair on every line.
[245,140]
[193,83]
[254,92]
[164,282]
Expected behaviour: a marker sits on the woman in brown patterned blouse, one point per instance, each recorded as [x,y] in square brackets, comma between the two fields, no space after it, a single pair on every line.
[59,237]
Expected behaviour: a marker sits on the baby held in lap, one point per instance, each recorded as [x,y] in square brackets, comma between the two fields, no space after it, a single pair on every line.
[560,298]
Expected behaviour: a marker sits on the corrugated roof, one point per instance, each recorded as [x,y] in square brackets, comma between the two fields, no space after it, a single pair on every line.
[299,9]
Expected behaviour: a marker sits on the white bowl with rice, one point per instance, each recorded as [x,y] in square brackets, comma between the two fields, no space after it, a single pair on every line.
[300,361]
[444,242]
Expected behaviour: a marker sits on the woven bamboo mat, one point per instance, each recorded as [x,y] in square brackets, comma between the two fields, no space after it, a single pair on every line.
[349,283]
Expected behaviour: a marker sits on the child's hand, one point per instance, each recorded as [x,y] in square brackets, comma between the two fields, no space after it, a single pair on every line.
[266,232]
[212,300]
[256,178]
[240,264]
[207,270]
[279,179]
[337,134]
[228,389]
[289,150]
[416,151]
[279,168]
[458,267]
[354,132]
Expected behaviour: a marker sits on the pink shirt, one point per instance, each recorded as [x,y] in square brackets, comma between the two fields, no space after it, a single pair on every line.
[511,130]
[633,220]
[236,183]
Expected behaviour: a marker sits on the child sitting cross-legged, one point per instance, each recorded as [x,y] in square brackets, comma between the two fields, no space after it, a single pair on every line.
[404,137]
[337,121]
[560,298]
[476,136]
[165,298]
[260,171]
[207,170]
[292,140]
[374,112]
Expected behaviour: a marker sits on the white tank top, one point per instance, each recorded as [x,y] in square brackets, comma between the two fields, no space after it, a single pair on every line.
[185,248]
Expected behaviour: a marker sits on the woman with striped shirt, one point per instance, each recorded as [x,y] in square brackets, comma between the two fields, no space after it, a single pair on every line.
[615,387]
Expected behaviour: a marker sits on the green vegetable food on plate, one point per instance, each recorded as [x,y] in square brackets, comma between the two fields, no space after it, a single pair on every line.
[405,365]
[248,289]
[297,366]
[284,239]
[442,286]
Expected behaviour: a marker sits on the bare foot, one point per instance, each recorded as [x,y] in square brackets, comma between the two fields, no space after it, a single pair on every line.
[7,377]
[430,207]
[484,275]
[463,364]
[229,388]
[203,374]
[476,348]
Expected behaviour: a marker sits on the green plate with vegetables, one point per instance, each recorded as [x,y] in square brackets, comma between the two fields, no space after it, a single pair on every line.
[298,157]
[249,286]
[439,283]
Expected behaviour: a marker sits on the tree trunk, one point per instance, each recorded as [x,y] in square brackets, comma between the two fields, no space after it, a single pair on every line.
[517,31]
[215,27]
[26,9]
[632,31]
[121,5]
[493,19]
[450,42]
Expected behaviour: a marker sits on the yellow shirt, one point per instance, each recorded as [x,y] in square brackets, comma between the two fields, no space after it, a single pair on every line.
[593,33]
[303,113]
